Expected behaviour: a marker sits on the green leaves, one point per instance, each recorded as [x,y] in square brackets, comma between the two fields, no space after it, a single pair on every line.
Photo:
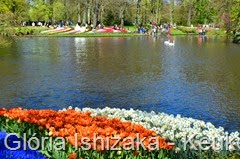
[12,12]
[58,10]
[48,147]
[235,14]
[39,11]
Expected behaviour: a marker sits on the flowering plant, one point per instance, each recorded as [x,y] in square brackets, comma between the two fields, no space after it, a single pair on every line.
[20,154]
[76,127]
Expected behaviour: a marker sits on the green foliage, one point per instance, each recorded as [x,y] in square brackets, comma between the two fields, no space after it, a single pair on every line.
[217,32]
[177,32]
[30,130]
[22,31]
[110,19]
[200,11]
[111,12]
[58,10]
[26,130]
[13,12]
[39,11]
[217,155]
[187,30]
[131,28]
[235,14]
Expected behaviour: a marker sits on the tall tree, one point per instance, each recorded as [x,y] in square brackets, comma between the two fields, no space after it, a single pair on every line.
[235,15]
[172,11]
[95,12]
[189,5]
[138,15]
[13,11]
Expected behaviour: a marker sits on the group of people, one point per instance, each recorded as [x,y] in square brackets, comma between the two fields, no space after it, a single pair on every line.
[155,29]
[202,30]
[83,26]
[47,23]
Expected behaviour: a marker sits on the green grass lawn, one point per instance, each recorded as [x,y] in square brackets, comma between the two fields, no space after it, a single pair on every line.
[177,32]
[131,28]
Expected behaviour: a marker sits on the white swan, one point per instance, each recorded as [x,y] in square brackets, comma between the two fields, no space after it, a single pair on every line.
[166,42]
[171,44]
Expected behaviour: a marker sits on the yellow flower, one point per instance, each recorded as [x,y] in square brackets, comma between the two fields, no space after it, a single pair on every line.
[50,133]
[119,152]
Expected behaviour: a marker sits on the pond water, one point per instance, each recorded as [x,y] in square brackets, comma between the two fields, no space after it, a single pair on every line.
[197,77]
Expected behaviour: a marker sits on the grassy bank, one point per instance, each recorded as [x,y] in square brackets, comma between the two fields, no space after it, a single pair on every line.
[36,31]
[218,32]
[177,32]
[193,31]
[19,31]
[187,30]
[90,35]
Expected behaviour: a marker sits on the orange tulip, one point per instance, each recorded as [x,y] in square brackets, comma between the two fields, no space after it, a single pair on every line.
[67,123]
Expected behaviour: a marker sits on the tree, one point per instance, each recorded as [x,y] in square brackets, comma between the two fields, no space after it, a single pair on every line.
[13,12]
[224,13]
[39,11]
[235,15]
[57,13]
[188,4]
[172,11]
[122,10]
[95,12]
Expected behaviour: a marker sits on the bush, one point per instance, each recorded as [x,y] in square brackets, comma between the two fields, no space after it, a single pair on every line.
[187,30]
[9,31]
[216,32]
[177,32]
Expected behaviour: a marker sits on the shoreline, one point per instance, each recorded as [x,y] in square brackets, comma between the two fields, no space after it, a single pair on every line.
[46,32]
[86,35]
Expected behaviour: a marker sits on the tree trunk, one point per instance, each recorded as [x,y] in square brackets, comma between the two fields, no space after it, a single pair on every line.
[95,13]
[85,15]
[79,8]
[145,12]
[101,15]
[47,1]
[138,16]
[65,12]
[172,11]
[88,14]
[189,14]
[190,7]
[121,14]
[158,12]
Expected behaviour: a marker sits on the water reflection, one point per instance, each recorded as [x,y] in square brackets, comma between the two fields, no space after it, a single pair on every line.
[196,78]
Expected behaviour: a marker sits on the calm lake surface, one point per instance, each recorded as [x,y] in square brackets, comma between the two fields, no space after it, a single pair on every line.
[197,78]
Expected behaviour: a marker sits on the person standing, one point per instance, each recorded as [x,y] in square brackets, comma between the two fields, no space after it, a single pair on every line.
[155,31]
[169,31]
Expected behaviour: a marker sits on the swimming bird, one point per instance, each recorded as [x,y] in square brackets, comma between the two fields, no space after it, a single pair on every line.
[166,42]
[171,44]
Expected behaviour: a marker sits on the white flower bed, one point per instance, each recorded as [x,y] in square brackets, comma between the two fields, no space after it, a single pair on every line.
[174,128]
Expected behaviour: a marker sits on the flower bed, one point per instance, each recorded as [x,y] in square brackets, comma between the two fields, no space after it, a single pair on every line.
[99,126]
[179,129]
[20,154]
[57,30]
[85,136]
